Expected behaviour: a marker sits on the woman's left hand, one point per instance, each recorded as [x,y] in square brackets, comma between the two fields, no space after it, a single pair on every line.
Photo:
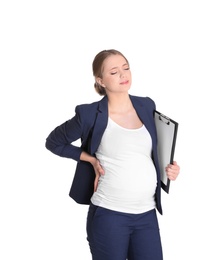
[172,171]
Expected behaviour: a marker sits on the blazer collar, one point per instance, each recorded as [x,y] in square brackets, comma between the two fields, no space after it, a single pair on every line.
[100,124]
[142,111]
[102,119]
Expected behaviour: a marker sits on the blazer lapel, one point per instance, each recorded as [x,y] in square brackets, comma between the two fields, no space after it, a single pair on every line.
[100,124]
[143,114]
[102,119]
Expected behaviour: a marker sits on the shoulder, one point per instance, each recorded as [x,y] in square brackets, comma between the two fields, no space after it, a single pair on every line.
[86,108]
[89,108]
[86,113]
[143,101]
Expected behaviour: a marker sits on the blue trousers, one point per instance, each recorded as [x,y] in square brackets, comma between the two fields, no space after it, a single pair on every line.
[114,235]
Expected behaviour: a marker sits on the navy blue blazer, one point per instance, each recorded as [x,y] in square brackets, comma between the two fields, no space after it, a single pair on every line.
[88,125]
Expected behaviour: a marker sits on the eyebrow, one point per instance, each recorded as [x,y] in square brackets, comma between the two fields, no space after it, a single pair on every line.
[117,67]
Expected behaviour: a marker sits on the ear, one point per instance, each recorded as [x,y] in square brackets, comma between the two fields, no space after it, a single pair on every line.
[100,82]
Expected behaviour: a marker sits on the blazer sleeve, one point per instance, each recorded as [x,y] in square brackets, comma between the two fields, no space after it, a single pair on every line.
[61,138]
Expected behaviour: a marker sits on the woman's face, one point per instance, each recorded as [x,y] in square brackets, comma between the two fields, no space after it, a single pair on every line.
[116,75]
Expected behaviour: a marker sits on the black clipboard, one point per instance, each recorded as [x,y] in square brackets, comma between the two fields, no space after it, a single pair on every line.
[166,135]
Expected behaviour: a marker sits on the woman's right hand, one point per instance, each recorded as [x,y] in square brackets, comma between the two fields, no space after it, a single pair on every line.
[98,171]
[96,164]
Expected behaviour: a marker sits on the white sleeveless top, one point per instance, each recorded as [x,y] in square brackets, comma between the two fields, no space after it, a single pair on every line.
[129,182]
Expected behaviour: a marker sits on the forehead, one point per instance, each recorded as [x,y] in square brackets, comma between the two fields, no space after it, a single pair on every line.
[114,61]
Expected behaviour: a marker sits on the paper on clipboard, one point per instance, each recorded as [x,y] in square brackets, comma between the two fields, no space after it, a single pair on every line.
[166,135]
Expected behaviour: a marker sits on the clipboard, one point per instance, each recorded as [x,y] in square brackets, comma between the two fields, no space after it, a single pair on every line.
[166,135]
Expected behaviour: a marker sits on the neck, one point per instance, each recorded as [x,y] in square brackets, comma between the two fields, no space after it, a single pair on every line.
[119,103]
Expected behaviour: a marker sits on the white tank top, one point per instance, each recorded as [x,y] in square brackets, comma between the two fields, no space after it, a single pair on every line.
[129,182]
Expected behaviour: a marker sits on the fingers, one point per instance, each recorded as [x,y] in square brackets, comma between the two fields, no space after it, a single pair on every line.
[172,171]
[96,182]
[98,171]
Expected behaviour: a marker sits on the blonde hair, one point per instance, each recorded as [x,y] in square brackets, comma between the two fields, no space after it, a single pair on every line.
[97,66]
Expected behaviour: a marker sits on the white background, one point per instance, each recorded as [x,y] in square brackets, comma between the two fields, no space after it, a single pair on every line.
[46,51]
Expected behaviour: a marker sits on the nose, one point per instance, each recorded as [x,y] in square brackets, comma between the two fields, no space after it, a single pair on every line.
[122,73]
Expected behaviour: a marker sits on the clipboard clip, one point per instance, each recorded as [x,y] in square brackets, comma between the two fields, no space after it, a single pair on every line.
[164,119]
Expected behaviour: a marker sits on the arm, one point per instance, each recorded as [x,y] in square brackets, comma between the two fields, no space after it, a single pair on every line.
[60,139]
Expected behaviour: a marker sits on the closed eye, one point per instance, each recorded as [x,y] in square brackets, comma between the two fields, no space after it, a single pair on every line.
[113,73]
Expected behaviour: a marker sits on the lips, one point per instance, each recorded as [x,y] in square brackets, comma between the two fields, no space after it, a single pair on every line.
[124,82]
